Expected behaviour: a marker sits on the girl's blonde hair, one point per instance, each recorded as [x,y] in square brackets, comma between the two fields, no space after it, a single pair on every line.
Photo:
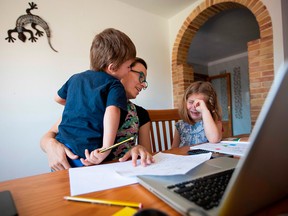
[205,88]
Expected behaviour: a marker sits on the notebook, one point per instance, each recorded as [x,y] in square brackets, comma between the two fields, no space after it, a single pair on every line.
[259,178]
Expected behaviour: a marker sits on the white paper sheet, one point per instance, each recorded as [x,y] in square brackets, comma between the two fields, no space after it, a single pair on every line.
[166,164]
[225,147]
[101,177]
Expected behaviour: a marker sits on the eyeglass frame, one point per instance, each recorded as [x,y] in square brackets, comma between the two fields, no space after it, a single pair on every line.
[141,75]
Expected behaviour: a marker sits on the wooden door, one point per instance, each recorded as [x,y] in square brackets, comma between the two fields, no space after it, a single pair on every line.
[222,85]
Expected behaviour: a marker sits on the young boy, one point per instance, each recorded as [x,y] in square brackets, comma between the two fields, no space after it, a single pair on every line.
[94,99]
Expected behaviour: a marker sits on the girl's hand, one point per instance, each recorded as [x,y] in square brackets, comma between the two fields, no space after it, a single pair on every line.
[200,105]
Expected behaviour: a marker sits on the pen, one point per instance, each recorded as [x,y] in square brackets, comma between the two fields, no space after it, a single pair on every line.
[115,145]
[107,202]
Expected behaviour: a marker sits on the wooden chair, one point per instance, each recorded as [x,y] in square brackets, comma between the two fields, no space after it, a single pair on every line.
[162,128]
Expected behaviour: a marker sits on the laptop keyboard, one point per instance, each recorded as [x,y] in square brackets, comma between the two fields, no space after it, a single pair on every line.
[205,192]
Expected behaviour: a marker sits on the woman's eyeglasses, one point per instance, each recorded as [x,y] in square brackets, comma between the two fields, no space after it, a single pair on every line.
[142,78]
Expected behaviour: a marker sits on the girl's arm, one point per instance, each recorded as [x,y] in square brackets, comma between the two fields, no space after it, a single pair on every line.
[213,130]
[176,139]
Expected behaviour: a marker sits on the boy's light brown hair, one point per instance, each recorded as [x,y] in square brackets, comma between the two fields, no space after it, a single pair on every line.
[111,46]
[205,88]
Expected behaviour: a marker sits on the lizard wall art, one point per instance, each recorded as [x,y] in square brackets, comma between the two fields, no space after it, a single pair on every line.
[34,20]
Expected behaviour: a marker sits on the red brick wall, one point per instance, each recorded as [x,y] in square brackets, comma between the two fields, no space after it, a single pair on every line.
[260,51]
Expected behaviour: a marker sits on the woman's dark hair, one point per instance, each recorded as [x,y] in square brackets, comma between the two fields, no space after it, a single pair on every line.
[139,60]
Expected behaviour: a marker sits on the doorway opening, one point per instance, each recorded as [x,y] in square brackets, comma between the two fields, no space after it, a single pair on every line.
[260,51]
[219,48]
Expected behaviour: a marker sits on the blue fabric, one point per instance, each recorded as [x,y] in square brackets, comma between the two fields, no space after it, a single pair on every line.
[87,96]
[143,117]
[191,134]
[75,163]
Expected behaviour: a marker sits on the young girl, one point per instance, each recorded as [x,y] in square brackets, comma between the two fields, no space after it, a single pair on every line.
[201,116]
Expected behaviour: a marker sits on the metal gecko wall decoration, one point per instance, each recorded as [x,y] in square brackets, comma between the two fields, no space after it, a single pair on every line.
[34,20]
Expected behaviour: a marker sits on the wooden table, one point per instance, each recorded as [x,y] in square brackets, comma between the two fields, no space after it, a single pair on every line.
[43,195]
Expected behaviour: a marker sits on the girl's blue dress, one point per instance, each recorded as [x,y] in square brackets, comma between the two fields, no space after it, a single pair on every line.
[191,134]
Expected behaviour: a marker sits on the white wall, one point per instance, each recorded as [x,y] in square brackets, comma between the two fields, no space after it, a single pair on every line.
[31,73]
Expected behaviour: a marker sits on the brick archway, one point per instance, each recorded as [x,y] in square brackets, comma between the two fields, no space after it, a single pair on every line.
[260,51]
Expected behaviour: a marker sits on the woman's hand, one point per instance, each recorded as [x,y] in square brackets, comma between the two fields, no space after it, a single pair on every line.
[145,157]
[57,155]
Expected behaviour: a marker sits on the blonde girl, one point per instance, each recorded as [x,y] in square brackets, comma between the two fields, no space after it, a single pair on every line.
[201,116]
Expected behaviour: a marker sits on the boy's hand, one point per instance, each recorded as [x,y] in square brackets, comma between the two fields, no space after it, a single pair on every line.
[95,157]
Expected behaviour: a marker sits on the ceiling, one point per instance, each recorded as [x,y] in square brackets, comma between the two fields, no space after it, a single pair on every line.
[223,35]
[163,8]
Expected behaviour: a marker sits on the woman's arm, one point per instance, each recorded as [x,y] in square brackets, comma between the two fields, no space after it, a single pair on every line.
[51,134]
[144,136]
[56,152]
[143,149]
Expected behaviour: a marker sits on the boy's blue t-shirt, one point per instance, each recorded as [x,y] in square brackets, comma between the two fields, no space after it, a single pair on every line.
[87,96]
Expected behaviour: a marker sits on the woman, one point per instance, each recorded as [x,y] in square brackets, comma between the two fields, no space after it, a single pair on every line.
[134,82]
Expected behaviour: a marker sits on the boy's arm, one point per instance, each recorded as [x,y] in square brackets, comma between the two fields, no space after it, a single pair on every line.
[59,100]
[111,124]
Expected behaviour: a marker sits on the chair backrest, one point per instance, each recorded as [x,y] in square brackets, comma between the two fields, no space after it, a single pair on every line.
[162,128]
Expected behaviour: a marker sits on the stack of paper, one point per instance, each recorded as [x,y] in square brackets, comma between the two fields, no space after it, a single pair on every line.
[225,147]
[101,177]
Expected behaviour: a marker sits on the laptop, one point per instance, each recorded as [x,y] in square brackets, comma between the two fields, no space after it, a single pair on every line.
[258,179]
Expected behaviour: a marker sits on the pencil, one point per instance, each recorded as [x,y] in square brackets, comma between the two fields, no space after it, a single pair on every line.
[106,202]
[115,145]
